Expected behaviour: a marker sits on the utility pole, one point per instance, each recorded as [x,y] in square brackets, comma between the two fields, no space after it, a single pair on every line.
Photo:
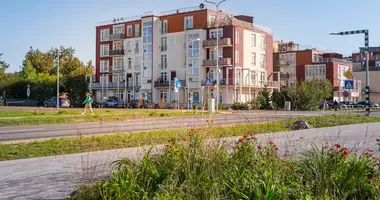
[217,51]
[58,78]
[366,47]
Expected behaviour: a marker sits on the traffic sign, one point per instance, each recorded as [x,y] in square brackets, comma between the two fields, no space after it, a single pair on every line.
[28,92]
[345,94]
[178,85]
[348,84]
[348,74]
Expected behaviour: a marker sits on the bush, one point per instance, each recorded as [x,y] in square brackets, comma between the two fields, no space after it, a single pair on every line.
[188,169]
[222,107]
[195,106]
[239,106]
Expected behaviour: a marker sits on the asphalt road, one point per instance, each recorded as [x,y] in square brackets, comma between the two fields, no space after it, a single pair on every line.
[29,133]
[56,177]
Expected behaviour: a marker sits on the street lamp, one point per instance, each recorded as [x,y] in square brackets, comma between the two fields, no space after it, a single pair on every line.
[366,47]
[217,52]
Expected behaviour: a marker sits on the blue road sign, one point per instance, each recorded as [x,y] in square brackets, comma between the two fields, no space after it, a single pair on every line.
[178,85]
[348,84]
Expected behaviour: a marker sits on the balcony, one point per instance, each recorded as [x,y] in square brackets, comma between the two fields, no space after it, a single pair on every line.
[284,75]
[117,52]
[163,48]
[223,61]
[335,60]
[208,82]
[161,83]
[116,36]
[223,42]
[110,85]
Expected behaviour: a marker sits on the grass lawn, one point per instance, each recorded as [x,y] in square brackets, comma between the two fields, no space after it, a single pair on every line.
[116,141]
[39,116]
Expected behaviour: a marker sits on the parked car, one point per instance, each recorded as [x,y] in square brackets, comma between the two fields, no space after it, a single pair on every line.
[326,104]
[63,103]
[134,104]
[371,104]
[111,103]
[351,104]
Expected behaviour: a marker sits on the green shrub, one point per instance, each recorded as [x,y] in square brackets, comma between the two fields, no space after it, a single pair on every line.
[62,112]
[164,114]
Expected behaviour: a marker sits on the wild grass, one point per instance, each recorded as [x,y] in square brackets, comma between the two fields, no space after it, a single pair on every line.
[124,140]
[188,169]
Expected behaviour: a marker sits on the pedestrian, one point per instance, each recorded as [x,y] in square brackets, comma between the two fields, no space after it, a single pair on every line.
[88,104]
[335,105]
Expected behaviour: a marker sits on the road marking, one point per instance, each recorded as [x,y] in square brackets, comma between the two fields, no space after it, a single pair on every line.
[22,130]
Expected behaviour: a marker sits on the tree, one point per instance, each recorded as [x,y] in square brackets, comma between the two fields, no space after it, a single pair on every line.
[29,72]
[3,65]
[311,93]
[265,99]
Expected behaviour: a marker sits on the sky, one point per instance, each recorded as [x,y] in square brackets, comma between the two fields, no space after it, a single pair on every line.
[43,24]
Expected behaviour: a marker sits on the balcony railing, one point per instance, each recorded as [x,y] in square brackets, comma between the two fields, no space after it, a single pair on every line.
[240,23]
[166,83]
[223,61]
[222,42]
[208,82]
[117,52]
[284,75]
[335,60]
[113,85]
[116,36]
[163,47]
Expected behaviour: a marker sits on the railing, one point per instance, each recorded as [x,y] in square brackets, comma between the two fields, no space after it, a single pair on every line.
[117,52]
[116,36]
[163,47]
[112,85]
[208,82]
[117,68]
[284,75]
[223,61]
[161,83]
[240,23]
[335,60]
[221,42]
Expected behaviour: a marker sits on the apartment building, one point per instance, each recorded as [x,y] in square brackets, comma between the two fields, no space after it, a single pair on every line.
[139,57]
[308,64]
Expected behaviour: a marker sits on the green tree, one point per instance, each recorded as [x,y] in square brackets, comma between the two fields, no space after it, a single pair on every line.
[311,93]
[29,72]
[3,65]
[265,99]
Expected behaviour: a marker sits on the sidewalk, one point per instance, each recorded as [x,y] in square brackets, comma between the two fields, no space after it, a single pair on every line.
[56,177]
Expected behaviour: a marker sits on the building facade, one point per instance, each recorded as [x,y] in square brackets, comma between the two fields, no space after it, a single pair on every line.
[298,66]
[139,57]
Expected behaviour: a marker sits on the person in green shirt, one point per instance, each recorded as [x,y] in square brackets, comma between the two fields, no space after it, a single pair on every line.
[88,104]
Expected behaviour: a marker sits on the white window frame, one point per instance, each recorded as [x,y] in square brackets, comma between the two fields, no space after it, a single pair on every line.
[191,51]
[147,73]
[104,34]
[237,36]
[118,29]
[164,43]
[253,39]
[216,34]
[137,30]
[253,58]
[104,50]
[164,62]
[193,69]
[163,95]
[237,56]
[129,63]
[187,24]
[104,66]
[118,46]
[262,59]
[263,43]
[118,64]
[164,76]
[129,30]
[164,27]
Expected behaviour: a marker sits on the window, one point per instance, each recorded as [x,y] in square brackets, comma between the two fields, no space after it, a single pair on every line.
[188,22]
[237,36]
[212,19]
[147,73]
[253,40]
[129,46]
[137,30]
[253,78]
[164,42]
[262,77]
[253,58]
[193,66]
[118,46]
[193,36]
[164,62]
[104,50]
[263,44]
[195,97]
[164,27]
[164,94]
[118,29]
[147,35]
[193,48]
[262,61]
[115,78]
[214,34]
[118,64]
[377,63]
[137,46]
[104,66]
[104,34]
[129,63]
[147,52]
[129,30]
[150,23]
[237,58]
[164,76]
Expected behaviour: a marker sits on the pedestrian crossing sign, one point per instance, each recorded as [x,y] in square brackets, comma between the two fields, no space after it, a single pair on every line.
[348,74]
[348,84]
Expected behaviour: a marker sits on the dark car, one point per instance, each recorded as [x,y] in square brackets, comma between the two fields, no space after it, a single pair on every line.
[111,103]
[326,104]
[135,104]
[63,103]
[371,104]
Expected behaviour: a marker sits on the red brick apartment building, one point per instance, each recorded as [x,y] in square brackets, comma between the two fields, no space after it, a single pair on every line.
[139,56]
[299,65]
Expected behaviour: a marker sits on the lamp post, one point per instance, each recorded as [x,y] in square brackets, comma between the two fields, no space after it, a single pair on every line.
[366,47]
[217,51]
[58,78]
